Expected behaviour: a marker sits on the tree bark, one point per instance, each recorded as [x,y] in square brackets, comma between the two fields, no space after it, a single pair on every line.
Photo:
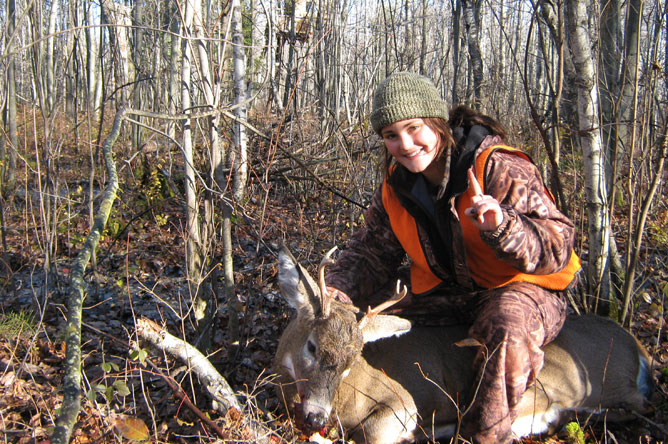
[118,15]
[591,143]
[472,20]
[240,107]
[629,70]
[50,63]
[9,173]
[194,259]
[173,91]
[91,57]
[456,43]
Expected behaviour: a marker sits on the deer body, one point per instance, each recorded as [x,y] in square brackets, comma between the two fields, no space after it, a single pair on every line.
[384,382]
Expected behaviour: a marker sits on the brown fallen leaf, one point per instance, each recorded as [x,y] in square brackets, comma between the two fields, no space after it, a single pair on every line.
[131,428]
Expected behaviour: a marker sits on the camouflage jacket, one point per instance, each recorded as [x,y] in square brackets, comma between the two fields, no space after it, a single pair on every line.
[535,237]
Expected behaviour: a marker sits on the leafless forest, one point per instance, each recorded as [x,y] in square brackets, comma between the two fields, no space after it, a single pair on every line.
[155,154]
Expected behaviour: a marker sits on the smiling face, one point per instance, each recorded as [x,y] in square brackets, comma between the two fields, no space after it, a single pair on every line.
[415,145]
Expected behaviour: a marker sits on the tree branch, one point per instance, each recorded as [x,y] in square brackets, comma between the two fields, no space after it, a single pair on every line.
[215,384]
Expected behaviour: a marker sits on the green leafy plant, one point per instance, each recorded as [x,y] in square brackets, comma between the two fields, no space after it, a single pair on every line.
[139,355]
[117,387]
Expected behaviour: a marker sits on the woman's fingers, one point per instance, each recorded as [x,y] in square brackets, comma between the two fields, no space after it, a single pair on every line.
[475,186]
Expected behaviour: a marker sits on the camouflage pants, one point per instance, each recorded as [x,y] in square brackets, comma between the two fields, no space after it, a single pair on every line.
[513,322]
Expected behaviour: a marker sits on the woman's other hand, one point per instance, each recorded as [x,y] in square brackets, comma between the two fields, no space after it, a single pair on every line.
[337,294]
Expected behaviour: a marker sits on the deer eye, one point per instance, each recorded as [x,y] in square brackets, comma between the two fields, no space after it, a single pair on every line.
[310,346]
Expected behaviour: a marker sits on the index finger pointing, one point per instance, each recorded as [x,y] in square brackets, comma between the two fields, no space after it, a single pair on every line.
[475,186]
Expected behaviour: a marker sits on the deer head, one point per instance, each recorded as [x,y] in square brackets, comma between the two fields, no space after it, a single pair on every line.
[324,338]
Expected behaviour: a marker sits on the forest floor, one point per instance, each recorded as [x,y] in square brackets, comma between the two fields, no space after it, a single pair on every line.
[139,272]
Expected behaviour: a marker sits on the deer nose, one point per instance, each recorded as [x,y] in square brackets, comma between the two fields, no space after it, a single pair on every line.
[316,420]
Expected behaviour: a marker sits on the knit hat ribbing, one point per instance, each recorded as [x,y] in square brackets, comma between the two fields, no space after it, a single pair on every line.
[405,95]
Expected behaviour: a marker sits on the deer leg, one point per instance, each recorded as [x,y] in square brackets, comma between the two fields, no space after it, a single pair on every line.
[386,424]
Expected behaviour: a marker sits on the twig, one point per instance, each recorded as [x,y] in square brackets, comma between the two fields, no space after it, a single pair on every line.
[178,391]
[658,426]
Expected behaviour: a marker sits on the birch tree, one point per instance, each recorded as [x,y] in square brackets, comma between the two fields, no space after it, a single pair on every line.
[9,170]
[577,20]
[92,35]
[240,111]
[119,16]
[193,241]
[50,64]
[173,76]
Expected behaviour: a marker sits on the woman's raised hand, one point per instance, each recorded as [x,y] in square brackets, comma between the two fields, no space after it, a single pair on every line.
[485,211]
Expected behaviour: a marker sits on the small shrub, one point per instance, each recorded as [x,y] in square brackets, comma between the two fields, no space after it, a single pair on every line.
[17,325]
[574,433]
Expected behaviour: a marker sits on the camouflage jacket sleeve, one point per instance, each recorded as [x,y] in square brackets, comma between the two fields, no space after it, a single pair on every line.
[534,237]
[372,256]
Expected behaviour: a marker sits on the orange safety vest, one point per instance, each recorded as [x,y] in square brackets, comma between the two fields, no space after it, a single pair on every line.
[486,270]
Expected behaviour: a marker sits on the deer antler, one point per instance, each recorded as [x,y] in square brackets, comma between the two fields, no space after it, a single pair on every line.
[399,293]
[325,300]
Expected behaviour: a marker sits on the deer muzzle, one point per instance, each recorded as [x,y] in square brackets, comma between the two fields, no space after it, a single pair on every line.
[316,420]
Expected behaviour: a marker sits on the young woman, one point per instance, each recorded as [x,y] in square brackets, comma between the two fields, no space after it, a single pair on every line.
[486,243]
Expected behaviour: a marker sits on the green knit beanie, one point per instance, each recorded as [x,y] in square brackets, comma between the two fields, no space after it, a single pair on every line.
[404,95]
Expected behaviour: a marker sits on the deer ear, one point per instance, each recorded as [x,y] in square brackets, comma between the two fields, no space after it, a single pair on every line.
[384,326]
[291,280]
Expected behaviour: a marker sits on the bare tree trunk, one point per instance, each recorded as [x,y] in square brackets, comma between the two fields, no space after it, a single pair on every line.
[290,70]
[91,56]
[321,68]
[596,194]
[119,15]
[607,80]
[141,62]
[71,406]
[608,83]
[423,45]
[50,76]
[472,20]
[456,62]
[259,38]
[9,173]
[628,103]
[175,42]
[205,302]
[272,49]
[629,71]
[194,259]
[239,60]
[37,54]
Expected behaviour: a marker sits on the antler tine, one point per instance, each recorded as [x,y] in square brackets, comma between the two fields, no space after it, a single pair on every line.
[399,293]
[324,294]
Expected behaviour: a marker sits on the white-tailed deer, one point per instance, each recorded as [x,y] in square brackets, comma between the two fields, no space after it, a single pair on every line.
[376,377]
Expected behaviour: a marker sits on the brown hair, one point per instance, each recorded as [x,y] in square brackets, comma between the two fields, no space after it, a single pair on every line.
[465,117]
